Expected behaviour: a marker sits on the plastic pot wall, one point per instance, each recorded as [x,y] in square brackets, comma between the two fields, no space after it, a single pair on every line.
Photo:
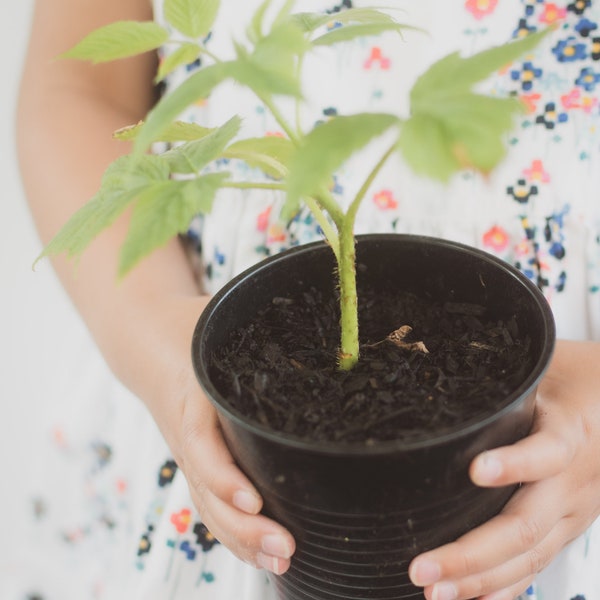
[361,513]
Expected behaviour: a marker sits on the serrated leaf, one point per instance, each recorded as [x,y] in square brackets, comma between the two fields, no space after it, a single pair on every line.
[119,40]
[255,28]
[328,146]
[270,68]
[178,131]
[264,81]
[425,146]
[352,32]
[194,18]
[198,86]
[164,211]
[477,130]
[451,126]
[310,22]
[184,55]
[122,182]
[271,154]
[470,134]
[454,74]
[192,157]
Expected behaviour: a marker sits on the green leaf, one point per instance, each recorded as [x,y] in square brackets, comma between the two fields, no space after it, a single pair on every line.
[195,88]
[122,182]
[164,211]
[192,157]
[424,145]
[178,131]
[119,40]
[194,18]
[255,28]
[271,154]
[351,32]
[184,55]
[452,127]
[310,22]
[327,147]
[265,81]
[271,66]
[454,74]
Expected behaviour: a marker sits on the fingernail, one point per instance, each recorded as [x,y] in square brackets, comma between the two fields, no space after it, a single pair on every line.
[425,572]
[246,502]
[487,468]
[271,563]
[276,545]
[444,591]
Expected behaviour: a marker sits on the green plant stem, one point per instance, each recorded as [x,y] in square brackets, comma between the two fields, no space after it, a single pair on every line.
[268,102]
[353,208]
[328,230]
[349,344]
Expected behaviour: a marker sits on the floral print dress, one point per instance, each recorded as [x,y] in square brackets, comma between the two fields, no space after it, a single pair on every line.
[122,525]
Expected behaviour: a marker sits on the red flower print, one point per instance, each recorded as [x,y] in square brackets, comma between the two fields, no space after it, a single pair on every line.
[385,200]
[495,238]
[536,172]
[263,219]
[182,520]
[275,233]
[571,100]
[574,100]
[376,58]
[530,101]
[481,8]
[552,13]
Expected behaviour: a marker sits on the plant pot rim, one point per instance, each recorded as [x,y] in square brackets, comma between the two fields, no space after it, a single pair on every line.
[383,447]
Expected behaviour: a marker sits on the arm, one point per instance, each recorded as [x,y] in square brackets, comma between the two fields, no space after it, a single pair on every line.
[560,467]
[143,325]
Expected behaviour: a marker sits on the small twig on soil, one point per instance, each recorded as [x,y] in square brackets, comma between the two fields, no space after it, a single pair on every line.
[398,337]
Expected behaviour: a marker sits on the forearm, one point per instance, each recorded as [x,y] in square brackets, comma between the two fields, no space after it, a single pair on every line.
[67,113]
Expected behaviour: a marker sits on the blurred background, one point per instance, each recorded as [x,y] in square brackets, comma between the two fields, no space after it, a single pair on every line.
[39,331]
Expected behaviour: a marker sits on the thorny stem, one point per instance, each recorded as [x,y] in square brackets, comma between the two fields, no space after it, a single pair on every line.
[349,346]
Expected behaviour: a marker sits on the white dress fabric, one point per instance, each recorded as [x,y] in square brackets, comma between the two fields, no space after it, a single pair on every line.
[110,515]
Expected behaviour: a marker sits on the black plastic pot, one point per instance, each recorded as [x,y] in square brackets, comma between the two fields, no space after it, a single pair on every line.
[360,514]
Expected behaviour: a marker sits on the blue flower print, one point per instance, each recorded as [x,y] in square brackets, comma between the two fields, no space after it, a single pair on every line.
[523,29]
[579,6]
[569,50]
[343,5]
[585,27]
[595,49]
[588,79]
[522,192]
[526,75]
[530,6]
[551,116]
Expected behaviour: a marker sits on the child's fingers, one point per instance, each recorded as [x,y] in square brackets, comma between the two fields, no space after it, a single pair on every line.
[227,501]
[536,457]
[508,549]
[499,540]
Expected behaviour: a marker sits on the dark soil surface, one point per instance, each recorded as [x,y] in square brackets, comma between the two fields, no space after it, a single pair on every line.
[281,371]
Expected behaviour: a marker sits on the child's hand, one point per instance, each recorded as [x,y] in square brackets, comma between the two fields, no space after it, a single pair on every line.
[225,499]
[559,466]
[227,502]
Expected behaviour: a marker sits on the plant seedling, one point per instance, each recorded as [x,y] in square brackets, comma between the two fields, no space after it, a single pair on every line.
[450,127]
